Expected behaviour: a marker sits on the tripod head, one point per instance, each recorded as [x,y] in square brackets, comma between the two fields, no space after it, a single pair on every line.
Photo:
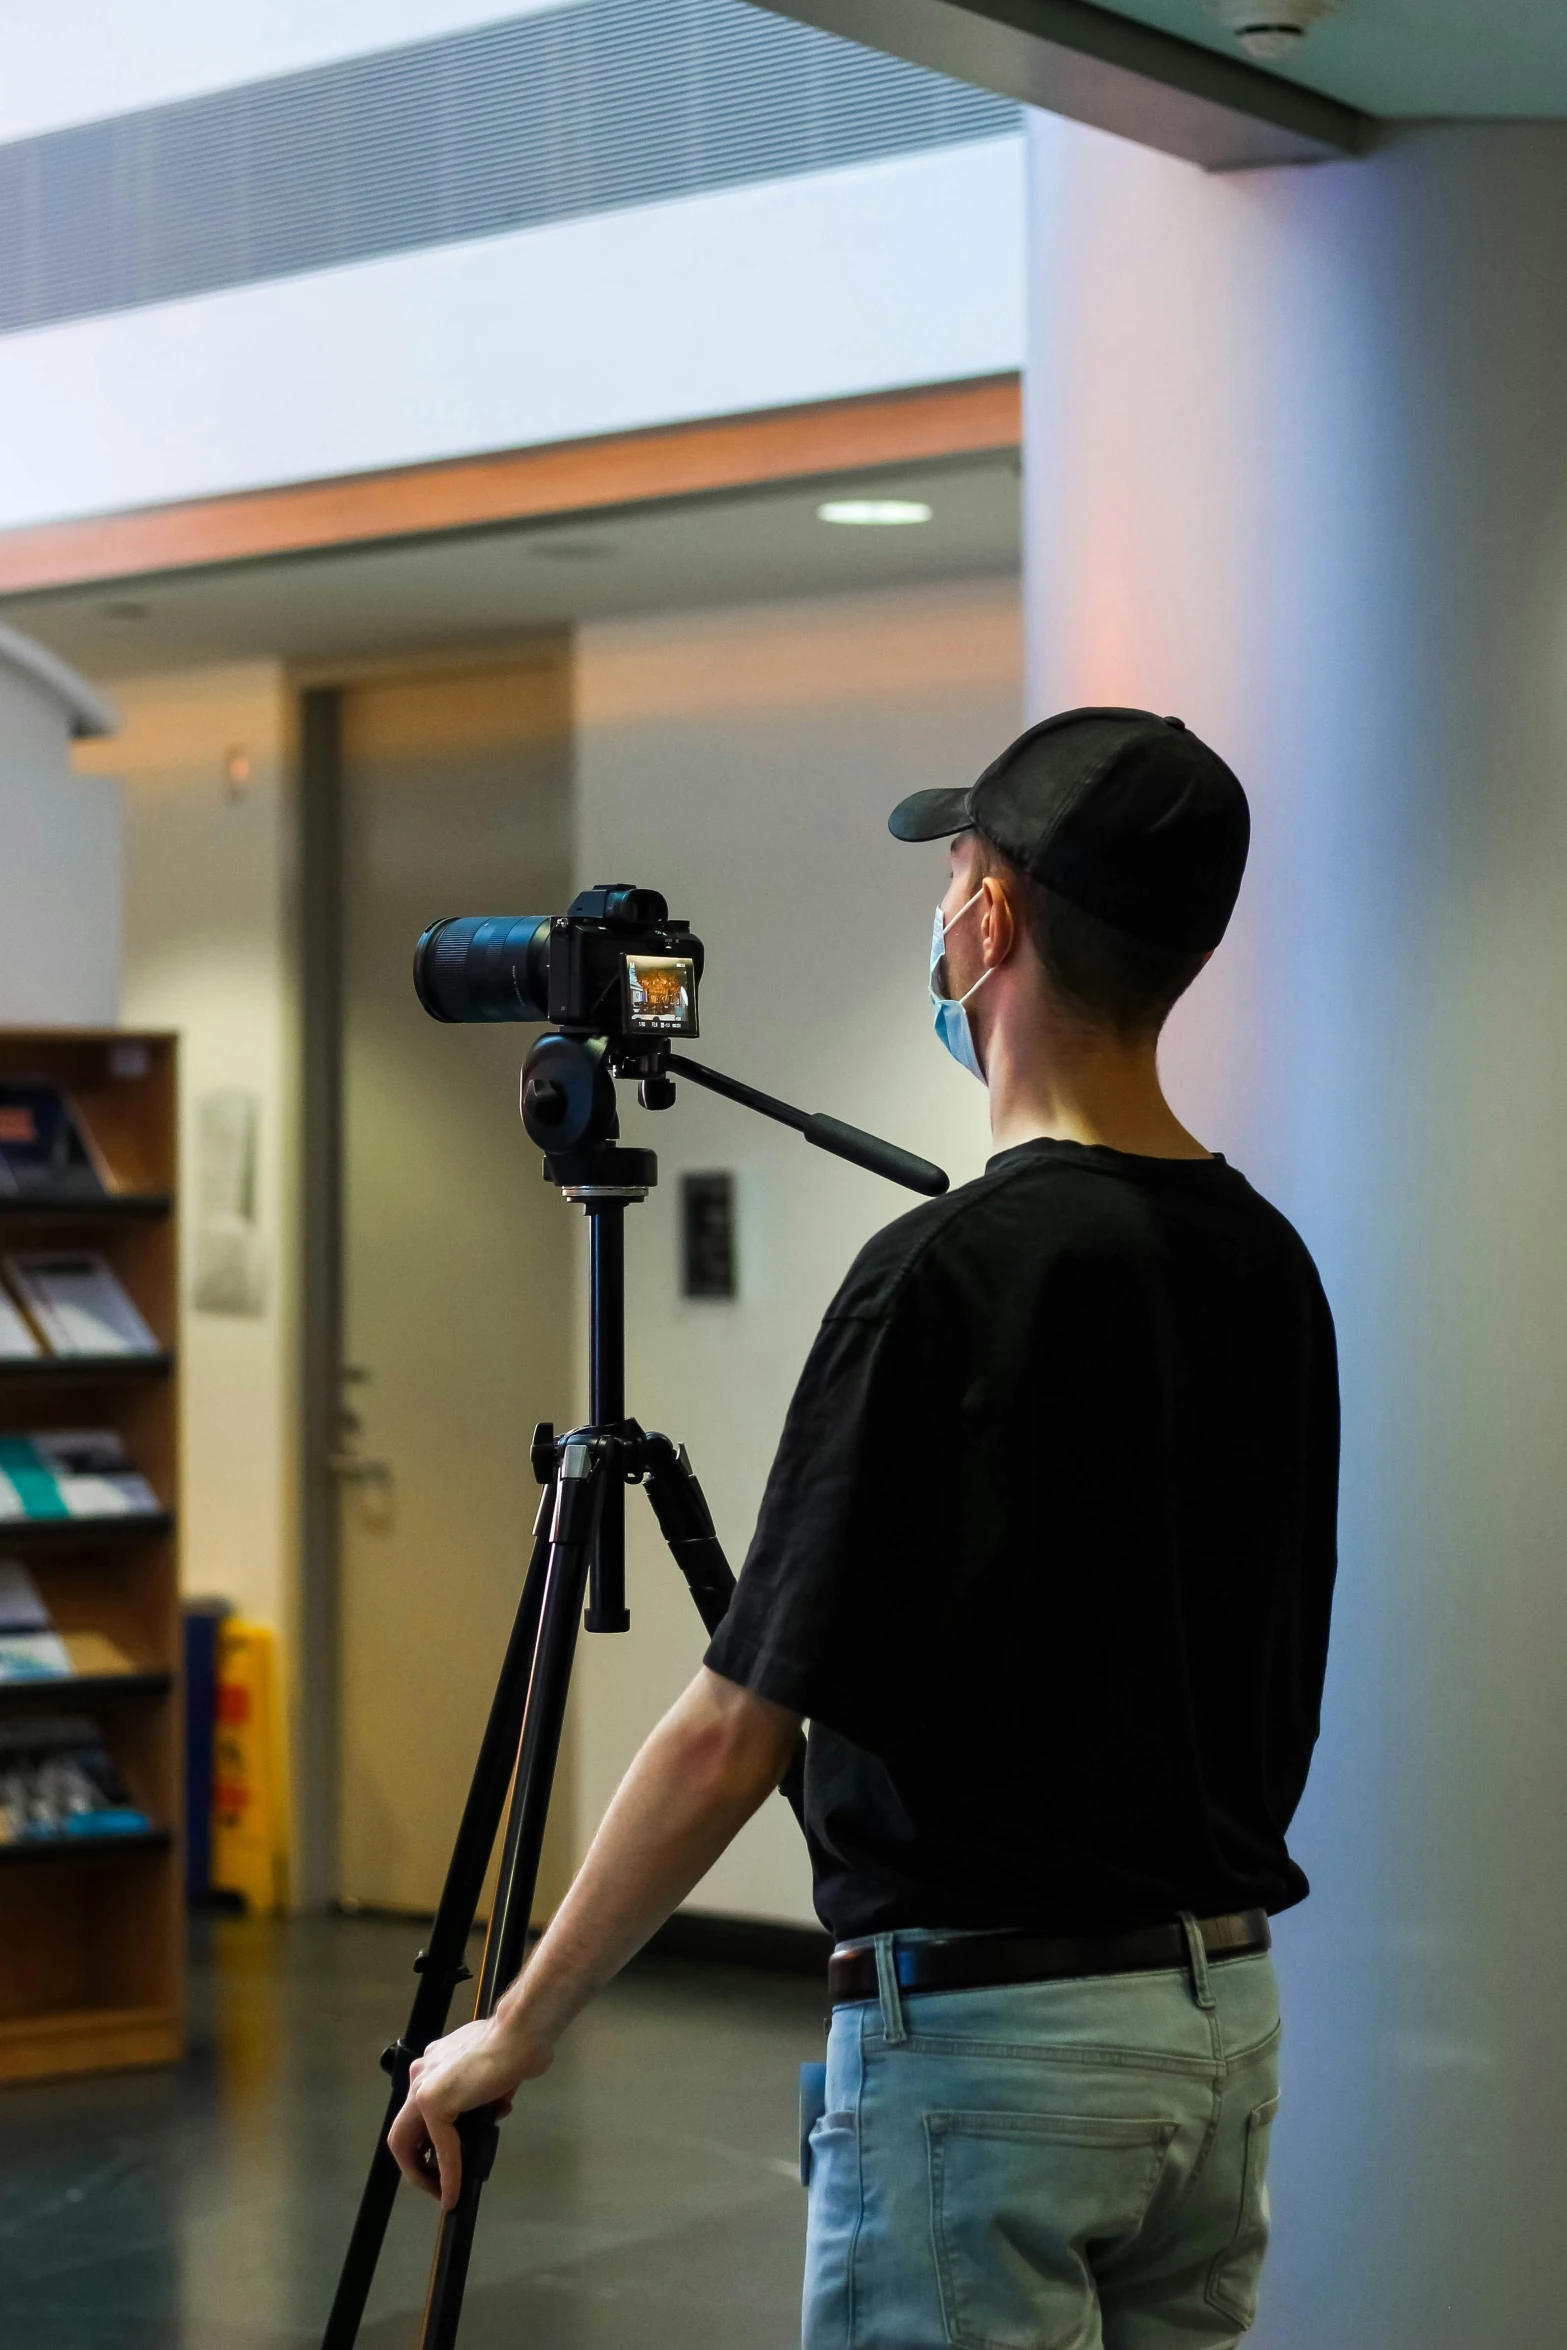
[568,1107]
[567,1099]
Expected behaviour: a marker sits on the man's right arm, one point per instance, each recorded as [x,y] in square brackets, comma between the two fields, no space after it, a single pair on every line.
[712,1761]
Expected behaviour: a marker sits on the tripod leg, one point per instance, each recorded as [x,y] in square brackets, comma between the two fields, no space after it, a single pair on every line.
[441,1966]
[686,1523]
[586,1465]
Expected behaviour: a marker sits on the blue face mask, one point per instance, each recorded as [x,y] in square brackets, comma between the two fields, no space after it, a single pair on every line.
[948,1013]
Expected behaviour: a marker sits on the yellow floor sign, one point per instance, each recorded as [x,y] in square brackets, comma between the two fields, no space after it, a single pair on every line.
[248,1842]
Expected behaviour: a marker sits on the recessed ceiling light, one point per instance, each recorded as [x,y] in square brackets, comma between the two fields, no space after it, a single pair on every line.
[1271,29]
[873,511]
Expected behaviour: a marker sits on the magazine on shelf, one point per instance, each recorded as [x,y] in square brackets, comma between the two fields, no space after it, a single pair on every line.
[30,1647]
[46,1147]
[61,1656]
[21,1607]
[18,1340]
[34,1656]
[77,1302]
[57,1778]
[71,1473]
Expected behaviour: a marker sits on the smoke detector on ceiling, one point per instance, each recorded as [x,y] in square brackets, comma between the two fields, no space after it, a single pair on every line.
[1270,29]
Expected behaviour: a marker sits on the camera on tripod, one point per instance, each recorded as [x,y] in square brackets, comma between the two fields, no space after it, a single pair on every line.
[617,980]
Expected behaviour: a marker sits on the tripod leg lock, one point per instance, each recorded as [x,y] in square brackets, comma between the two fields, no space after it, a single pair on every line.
[448,1976]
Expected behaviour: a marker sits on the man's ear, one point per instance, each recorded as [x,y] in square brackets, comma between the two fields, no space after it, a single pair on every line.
[1002,917]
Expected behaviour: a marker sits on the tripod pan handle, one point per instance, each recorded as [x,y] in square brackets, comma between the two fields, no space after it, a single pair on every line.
[828,1134]
[869,1151]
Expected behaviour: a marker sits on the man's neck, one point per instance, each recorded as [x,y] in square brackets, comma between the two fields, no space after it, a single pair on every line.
[1069,1084]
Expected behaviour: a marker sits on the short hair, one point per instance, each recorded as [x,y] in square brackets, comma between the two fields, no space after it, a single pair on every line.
[1108,977]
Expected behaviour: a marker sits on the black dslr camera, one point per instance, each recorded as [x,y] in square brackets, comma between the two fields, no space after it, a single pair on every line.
[614,966]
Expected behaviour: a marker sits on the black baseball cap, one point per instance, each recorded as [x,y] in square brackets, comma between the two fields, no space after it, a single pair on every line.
[1127,815]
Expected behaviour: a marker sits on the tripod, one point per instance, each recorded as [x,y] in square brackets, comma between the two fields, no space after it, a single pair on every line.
[568,1106]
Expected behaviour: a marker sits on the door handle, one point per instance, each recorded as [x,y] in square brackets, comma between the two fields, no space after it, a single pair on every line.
[354,1469]
[371,1481]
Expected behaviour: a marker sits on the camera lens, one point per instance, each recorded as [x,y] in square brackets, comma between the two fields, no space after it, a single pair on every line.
[485,967]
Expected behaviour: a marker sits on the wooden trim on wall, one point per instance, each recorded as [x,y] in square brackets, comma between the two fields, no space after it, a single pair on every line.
[516,485]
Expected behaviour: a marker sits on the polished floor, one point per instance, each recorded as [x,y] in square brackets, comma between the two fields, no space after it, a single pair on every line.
[646,2193]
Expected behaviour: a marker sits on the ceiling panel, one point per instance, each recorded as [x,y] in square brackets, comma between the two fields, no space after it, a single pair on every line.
[461,589]
[1410,57]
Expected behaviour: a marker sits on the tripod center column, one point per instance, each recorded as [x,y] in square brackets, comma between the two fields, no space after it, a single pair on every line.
[607,1404]
[607,1331]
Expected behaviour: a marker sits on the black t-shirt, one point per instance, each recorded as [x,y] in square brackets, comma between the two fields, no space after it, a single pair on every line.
[1047,1553]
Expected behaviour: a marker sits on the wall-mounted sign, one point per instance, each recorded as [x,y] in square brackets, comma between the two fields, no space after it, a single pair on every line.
[709,1263]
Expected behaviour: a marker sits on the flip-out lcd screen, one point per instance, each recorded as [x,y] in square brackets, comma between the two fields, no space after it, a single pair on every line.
[661,995]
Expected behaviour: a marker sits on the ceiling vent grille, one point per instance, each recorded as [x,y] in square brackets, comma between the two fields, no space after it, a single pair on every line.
[572,110]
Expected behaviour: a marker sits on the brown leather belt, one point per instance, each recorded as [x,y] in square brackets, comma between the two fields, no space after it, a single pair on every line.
[973,1962]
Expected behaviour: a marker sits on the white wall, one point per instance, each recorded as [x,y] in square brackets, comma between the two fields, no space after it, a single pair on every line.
[60,858]
[745,763]
[208,892]
[1297,470]
[902,272]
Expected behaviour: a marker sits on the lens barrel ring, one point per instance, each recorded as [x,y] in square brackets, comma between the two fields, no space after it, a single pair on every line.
[482,967]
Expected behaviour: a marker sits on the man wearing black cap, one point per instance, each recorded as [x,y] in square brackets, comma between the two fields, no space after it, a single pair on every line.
[1046,1559]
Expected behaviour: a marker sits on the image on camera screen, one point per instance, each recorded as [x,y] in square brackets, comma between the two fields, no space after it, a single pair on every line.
[661,994]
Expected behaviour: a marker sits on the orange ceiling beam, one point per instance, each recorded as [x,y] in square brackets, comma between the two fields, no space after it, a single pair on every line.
[519,485]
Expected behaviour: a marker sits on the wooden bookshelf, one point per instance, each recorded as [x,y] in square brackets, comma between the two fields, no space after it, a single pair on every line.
[92,1952]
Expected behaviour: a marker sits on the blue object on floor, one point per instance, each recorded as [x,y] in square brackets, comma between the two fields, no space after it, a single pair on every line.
[202,1618]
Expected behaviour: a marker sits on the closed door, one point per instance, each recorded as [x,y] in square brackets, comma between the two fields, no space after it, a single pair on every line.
[457,1257]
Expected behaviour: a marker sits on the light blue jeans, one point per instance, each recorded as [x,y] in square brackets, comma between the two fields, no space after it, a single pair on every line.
[1048,2166]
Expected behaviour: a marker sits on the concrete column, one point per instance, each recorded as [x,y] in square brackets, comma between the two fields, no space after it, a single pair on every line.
[61,852]
[1297,470]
